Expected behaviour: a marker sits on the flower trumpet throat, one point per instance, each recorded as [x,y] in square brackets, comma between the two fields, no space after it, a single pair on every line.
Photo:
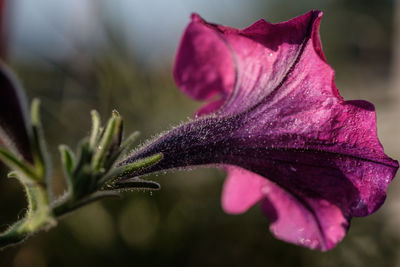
[285,135]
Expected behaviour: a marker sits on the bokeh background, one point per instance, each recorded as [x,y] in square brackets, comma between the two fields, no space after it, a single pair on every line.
[78,55]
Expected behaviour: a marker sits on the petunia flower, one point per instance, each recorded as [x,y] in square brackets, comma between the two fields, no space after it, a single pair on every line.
[15,130]
[276,120]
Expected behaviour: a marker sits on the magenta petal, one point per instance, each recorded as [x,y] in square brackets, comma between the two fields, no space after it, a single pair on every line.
[204,65]
[210,107]
[316,224]
[263,55]
[242,189]
[313,223]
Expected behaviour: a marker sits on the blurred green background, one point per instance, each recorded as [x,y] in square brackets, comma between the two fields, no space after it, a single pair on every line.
[83,55]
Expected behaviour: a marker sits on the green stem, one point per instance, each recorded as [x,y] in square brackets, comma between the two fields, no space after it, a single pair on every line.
[71,205]
[14,235]
[39,216]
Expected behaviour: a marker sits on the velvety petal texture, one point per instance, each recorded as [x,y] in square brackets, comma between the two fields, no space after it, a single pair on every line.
[290,140]
[14,130]
[290,219]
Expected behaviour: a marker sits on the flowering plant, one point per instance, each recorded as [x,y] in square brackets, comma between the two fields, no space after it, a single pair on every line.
[279,127]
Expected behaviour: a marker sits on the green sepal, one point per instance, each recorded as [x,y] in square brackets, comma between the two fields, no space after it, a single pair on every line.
[134,183]
[128,169]
[16,164]
[84,154]
[96,129]
[84,182]
[102,151]
[114,148]
[68,164]
[82,176]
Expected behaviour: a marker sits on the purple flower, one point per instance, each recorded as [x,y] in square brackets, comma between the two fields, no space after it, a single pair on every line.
[15,128]
[15,133]
[279,124]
